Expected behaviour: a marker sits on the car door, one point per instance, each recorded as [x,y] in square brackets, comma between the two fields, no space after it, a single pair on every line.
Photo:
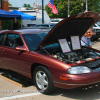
[1,48]
[13,59]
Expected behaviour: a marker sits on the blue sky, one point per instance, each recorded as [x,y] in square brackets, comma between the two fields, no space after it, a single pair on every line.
[20,3]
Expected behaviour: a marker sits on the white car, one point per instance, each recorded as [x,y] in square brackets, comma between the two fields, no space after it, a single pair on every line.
[96,32]
[96,26]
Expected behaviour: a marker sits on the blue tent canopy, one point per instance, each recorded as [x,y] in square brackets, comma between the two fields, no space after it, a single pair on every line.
[23,15]
[5,15]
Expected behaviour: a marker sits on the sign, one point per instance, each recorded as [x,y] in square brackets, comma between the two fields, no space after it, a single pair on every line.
[64,45]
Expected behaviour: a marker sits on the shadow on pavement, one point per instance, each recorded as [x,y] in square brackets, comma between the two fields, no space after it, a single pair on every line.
[86,93]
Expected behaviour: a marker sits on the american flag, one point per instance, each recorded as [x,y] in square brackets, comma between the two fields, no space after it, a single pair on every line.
[52,6]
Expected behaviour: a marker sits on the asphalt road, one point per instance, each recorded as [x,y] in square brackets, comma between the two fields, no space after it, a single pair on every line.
[10,91]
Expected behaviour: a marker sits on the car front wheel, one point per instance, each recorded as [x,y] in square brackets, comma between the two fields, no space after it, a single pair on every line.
[43,80]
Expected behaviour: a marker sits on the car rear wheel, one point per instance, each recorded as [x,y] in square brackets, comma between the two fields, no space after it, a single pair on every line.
[43,80]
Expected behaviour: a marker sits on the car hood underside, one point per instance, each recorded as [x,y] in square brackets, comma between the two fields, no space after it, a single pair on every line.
[75,25]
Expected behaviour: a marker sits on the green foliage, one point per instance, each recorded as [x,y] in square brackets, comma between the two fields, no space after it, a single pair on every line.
[25,5]
[75,7]
[8,24]
[9,4]
[28,6]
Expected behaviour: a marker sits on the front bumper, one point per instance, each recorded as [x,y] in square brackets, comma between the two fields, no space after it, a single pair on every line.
[76,82]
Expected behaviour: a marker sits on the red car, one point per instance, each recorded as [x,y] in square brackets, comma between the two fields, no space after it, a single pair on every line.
[53,58]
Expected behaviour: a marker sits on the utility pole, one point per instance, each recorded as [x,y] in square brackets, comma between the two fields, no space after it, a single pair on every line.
[68,8]
[86,6]
[82,4]
[42,11]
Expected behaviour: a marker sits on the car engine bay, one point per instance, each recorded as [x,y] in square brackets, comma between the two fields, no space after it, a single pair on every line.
[71,52]
[86,55]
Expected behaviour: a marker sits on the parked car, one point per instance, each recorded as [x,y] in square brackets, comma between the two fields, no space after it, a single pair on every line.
[44,25]
[96,32]
[52,58]
[57,20]
[37,28]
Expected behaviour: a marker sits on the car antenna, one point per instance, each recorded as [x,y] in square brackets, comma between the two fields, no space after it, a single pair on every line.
[45,50]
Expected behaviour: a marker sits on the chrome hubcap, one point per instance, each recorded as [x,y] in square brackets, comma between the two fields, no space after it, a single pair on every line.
[41,80]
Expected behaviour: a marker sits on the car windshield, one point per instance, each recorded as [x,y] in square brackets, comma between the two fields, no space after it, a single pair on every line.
[33,41]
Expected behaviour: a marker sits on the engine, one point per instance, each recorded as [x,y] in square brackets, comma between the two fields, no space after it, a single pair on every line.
[73,56]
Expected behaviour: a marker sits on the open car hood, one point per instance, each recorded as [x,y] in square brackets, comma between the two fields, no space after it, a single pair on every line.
[75,25]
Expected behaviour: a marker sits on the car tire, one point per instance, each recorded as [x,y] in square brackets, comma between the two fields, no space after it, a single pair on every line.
[43,80]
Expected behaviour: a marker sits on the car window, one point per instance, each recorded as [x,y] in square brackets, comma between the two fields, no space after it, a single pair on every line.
[38,26]
[42,26]
[45,25]
[13,40]
[54,20]
[33,40]
[52,25]
[1,38]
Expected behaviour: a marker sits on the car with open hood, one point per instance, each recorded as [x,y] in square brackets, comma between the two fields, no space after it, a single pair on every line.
[52,58]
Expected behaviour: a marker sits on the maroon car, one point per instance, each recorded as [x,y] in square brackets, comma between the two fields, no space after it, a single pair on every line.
[52,58]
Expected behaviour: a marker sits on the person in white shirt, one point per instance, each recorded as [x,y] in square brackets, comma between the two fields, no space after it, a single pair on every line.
[84,41]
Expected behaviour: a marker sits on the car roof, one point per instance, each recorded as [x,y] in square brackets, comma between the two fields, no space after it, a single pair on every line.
[46,24]
[24,31]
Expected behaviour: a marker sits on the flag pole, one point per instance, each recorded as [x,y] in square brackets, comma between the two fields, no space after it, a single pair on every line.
[42,11]
[86,6]
[68,9]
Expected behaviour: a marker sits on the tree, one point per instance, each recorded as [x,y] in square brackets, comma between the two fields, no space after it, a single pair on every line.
[25,5]
[9,4]
[75,7]
[28,6]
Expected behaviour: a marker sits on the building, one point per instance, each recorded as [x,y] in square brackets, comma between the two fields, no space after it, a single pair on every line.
[3,6]
[38,17]
[36,13]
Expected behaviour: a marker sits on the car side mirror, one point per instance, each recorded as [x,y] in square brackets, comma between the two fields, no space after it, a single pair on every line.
[20,48]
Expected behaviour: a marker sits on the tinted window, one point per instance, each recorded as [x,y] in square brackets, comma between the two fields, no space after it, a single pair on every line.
[42,26]
[1,38]
[52,25]
[54,20]
[33,40]
[13,40]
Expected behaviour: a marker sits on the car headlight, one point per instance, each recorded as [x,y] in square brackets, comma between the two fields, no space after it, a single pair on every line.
[78,70]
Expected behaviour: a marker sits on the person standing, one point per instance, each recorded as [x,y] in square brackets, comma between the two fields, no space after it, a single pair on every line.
[88,34]
[84,41]
[15,25]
